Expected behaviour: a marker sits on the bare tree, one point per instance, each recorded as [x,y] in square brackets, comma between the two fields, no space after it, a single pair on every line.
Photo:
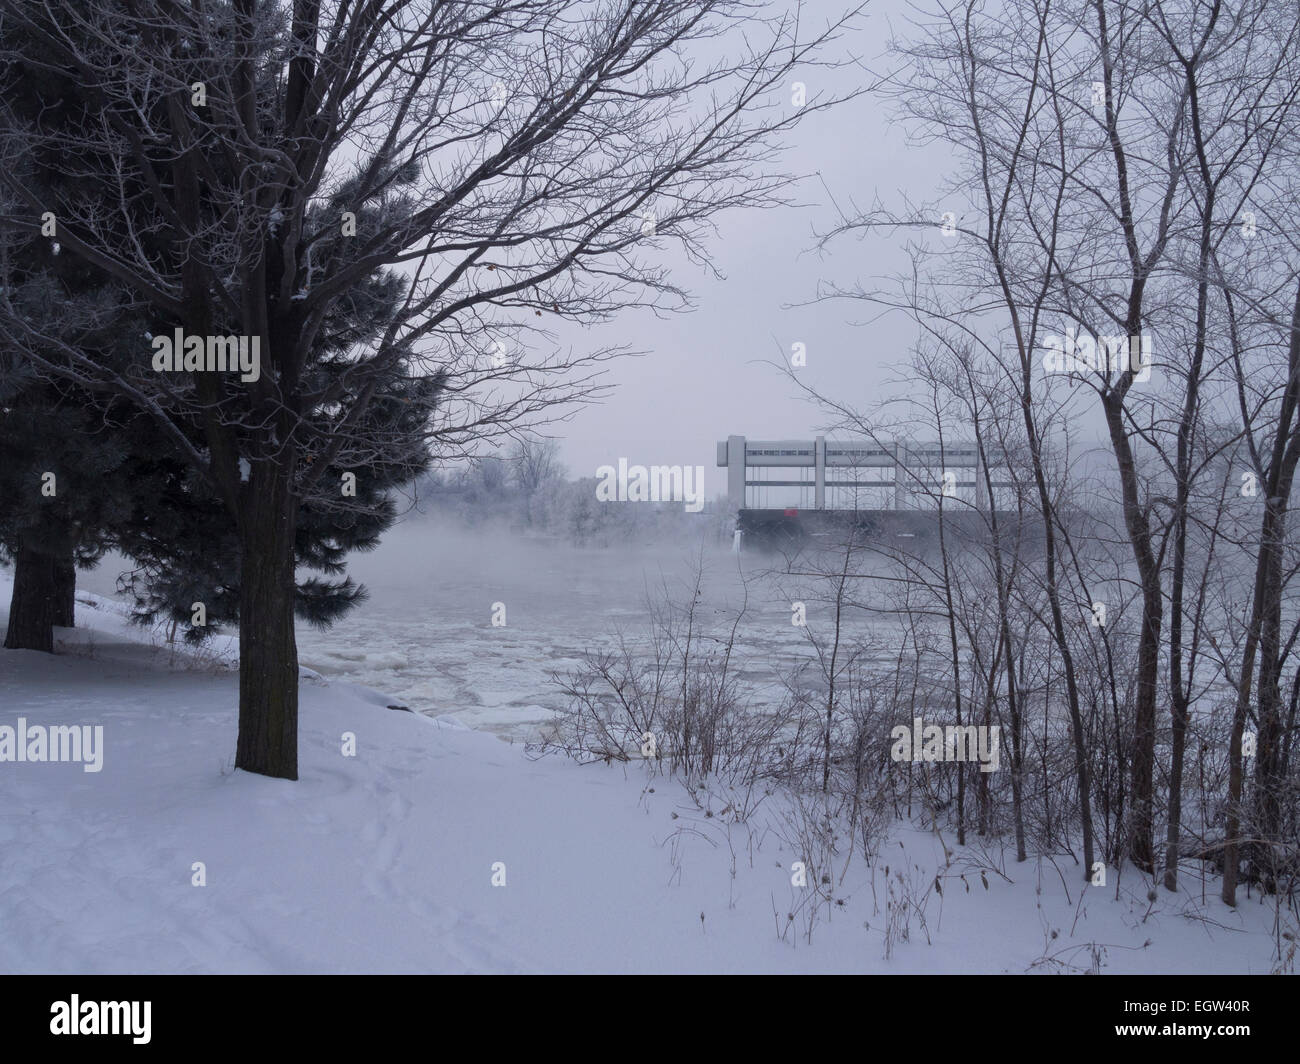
[976,81]
[1105,152]
[536,461]
[497,161]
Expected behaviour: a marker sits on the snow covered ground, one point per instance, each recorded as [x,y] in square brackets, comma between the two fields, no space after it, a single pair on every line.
[384,861]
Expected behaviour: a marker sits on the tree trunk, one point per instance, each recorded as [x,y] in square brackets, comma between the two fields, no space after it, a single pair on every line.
[1017,763]
[1141,836]
[65,592]
[268,650]
[32,608]
[1047,509]
[1269,783]
[1142,810]
[1172,855]
[1232,822]
[1279,477]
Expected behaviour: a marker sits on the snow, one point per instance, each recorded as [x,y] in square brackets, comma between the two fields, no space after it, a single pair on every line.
[382,862]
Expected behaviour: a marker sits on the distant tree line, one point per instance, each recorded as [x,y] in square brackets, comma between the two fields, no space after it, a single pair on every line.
[527,491]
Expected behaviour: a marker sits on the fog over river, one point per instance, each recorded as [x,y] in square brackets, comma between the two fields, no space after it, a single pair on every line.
[425,635]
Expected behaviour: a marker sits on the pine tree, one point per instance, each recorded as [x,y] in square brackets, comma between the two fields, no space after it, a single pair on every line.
[64,473]
[136,492]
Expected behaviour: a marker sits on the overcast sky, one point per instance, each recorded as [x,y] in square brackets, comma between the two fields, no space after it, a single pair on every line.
[707,374]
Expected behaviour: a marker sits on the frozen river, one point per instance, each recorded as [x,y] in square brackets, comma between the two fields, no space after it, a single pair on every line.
[425,635]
